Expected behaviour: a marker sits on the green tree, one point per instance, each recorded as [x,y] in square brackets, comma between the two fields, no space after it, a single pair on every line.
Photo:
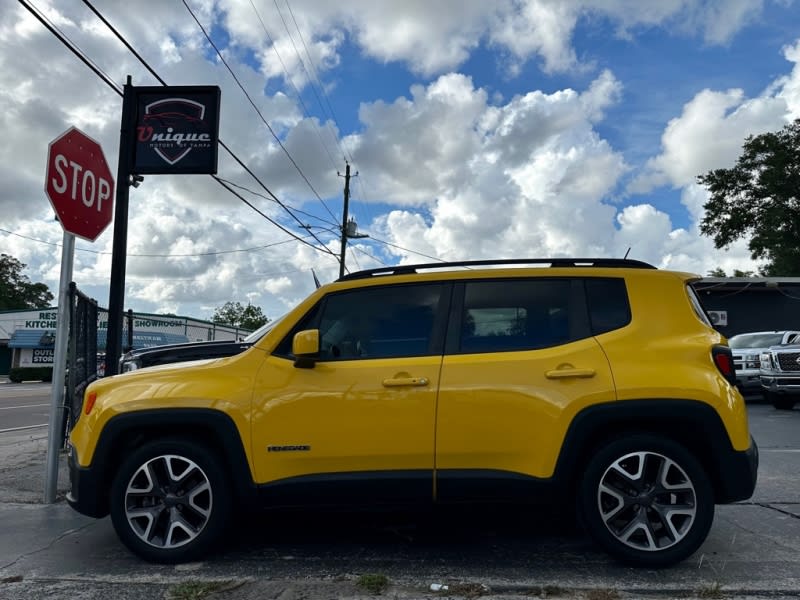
[759,198]
[236,315]
[16,290]
[720,272]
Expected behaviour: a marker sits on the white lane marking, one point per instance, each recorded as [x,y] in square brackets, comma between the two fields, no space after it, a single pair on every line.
[21,428]
[23,406]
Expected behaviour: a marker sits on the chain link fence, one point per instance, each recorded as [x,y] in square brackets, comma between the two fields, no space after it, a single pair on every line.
[82,352]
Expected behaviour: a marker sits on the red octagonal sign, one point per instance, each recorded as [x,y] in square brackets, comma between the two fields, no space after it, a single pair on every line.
[79,184]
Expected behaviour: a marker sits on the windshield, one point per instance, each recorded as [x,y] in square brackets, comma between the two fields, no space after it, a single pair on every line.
[262,331]
[755,340]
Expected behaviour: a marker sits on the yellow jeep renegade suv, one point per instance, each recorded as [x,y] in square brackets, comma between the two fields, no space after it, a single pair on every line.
[597,381]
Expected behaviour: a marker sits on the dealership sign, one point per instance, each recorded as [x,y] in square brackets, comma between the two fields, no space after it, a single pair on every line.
[176,129]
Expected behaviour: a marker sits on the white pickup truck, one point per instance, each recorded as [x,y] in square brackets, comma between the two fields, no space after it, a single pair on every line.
[780,374]
[747,349]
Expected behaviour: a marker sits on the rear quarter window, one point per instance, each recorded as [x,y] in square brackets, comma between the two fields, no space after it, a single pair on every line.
[609,308]
[697,306]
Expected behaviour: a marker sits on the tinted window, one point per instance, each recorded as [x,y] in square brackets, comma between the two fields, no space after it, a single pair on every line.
[519,314]
[608,304]
[378,322]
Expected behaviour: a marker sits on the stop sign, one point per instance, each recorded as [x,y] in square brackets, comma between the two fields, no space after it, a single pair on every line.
[79,184]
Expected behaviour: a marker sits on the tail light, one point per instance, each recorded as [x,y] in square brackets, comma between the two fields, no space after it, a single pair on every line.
[723,359]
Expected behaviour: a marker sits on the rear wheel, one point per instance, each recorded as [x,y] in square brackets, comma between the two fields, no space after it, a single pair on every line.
[170,501]
[646,500]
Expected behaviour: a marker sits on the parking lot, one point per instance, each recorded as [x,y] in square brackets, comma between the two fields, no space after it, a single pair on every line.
[753,550]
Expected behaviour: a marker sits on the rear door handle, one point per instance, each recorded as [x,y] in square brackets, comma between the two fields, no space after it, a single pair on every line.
[569,373]
[405,382]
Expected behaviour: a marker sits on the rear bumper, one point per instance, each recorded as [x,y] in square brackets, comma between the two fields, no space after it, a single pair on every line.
[738,475]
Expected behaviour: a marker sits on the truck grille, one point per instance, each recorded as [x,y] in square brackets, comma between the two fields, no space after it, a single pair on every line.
[788,361]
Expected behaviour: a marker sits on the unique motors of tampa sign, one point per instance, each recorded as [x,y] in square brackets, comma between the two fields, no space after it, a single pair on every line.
[176,129]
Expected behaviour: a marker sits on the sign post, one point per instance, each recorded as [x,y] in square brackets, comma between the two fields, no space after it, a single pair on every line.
[164,130]
[59,370]
[79,185]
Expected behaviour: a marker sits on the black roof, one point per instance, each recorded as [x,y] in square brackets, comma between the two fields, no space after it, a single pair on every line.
[552,262]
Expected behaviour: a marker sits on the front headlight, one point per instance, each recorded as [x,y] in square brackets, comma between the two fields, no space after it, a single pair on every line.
[766,360]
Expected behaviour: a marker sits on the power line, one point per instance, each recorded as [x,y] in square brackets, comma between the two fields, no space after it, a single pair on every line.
[372,256]
[122,39]
[294,87]
[72,46]
[253,104]
[278,225]
[252,249]
[406,249]
[292,208]
[316,76]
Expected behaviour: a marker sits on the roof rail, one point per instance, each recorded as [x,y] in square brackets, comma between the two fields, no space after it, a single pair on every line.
[552,262]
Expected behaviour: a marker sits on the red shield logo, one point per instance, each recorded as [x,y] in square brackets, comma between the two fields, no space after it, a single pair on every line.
[174,126]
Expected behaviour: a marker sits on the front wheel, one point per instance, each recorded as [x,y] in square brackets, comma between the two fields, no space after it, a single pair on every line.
[781,401]
[170,501]
[646,500]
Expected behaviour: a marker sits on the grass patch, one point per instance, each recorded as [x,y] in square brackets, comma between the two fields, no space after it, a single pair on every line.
[374,583]
[553,590]
[194,590]
[602,595]
[713,590]
[467,590]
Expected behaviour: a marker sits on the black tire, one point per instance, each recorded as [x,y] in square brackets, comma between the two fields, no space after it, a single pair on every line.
[781,401]
[627,509]
[170,501]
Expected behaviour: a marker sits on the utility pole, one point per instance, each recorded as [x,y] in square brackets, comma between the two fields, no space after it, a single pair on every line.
[349,227]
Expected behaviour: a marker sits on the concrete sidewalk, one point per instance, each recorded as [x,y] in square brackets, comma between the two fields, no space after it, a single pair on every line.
[50,551]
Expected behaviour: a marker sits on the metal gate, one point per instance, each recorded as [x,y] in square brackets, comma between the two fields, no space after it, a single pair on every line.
[83,358]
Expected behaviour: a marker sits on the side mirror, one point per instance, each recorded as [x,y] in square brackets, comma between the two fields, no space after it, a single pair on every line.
[305,347]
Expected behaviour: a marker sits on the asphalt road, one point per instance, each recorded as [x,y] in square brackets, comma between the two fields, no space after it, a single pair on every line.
[753,550]
[24,406]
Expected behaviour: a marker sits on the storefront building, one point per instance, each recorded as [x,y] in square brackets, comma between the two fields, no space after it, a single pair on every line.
[27,337]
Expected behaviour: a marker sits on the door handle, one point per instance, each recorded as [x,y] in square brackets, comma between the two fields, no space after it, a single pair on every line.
[569,373]
[405,382]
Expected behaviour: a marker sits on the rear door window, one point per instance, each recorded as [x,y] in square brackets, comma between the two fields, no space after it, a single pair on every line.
[517,314]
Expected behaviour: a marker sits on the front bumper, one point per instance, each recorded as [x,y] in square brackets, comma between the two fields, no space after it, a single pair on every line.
[781,383]
[87,493]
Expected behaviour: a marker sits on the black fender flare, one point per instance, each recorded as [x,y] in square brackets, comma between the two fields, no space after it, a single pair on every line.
[694,424]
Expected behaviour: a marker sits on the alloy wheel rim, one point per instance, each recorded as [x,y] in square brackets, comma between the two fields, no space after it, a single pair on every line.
[168,501]
[647,501]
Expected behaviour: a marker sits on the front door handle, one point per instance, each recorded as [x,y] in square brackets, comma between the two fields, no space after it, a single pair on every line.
[570,372]
[405,382]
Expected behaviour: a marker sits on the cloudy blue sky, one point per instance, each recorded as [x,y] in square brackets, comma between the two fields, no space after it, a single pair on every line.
[514,128]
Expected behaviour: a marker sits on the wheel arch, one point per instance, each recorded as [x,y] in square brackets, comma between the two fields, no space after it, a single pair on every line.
[209,427]
[695,425]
